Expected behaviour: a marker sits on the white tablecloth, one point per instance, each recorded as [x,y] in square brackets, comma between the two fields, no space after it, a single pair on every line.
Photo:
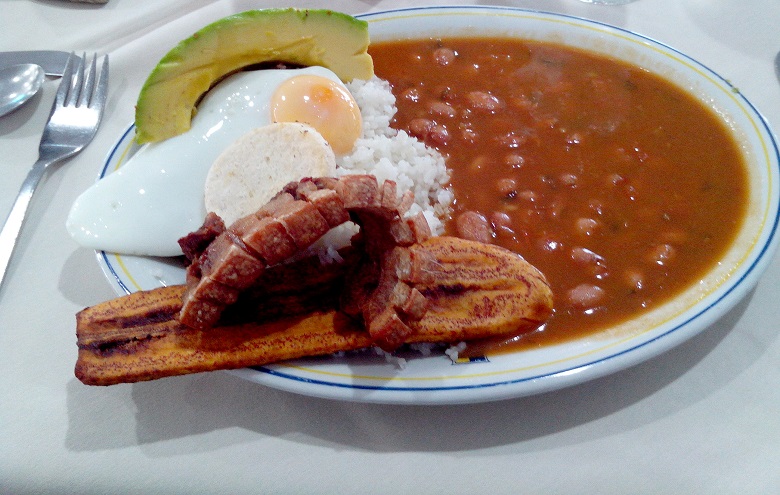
[702,418]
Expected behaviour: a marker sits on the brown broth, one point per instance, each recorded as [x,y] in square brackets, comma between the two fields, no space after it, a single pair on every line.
[599,173]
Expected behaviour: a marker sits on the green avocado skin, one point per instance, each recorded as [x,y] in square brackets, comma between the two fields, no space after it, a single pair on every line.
[168,98]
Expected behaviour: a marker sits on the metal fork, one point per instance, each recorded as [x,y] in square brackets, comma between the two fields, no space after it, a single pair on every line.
[73,122]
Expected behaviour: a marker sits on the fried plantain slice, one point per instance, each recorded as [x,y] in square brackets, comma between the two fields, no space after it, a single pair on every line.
[474,290]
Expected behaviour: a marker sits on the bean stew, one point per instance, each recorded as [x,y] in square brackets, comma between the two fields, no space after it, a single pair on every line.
[622,188]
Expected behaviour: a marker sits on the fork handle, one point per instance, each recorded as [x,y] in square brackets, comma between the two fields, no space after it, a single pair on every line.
[13,224]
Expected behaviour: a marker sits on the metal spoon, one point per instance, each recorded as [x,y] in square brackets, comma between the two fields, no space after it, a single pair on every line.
[18,83]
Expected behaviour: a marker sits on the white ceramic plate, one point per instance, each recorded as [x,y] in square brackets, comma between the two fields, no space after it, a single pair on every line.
[435,379]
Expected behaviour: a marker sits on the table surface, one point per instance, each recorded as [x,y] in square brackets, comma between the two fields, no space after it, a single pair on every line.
[701,418]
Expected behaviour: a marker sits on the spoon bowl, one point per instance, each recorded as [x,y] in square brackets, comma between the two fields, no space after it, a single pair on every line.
[18,83]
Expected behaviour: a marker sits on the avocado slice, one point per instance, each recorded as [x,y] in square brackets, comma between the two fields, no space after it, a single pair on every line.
[168,98]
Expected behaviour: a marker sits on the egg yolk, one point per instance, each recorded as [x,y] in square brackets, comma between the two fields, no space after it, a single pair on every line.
[322,104]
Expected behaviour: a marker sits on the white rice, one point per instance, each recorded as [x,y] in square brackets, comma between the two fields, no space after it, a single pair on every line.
[390,154]
[453,351]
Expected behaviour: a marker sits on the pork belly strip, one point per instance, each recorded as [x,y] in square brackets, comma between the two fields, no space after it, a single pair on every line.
[291,221]
[475,291]
[237,256]
[303,286]
[194,243]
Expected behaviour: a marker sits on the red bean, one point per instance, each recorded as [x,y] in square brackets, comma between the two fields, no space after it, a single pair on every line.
[514,160]
[585,296]
[574,138]
[569,180]
[587,226]
[411,94]
[507,187]
[474,226]
[662,254]
[623,184]
[467,132]
[512,139]
[441,109]
[585,256]
[501,221]
[419,128]
[634,278]
[596,206]
[594,263]
[446,93]
[528,195]
[522,102]
[429,131]
[439,135]
[481,100]
[444,56]
[549,245]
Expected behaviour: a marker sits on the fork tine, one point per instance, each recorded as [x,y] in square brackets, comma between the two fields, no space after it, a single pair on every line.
[101,90]
[76,82]
[88,85]
[65,83]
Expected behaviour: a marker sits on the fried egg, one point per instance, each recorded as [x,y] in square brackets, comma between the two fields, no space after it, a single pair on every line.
[155,198]
[324,104]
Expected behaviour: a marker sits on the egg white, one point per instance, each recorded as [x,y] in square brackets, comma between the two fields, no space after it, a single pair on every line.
[157,196]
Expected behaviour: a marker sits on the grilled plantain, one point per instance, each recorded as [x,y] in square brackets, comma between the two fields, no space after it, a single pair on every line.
[475,290]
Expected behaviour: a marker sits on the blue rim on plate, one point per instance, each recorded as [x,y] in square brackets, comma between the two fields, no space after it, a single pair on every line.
[436,379]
